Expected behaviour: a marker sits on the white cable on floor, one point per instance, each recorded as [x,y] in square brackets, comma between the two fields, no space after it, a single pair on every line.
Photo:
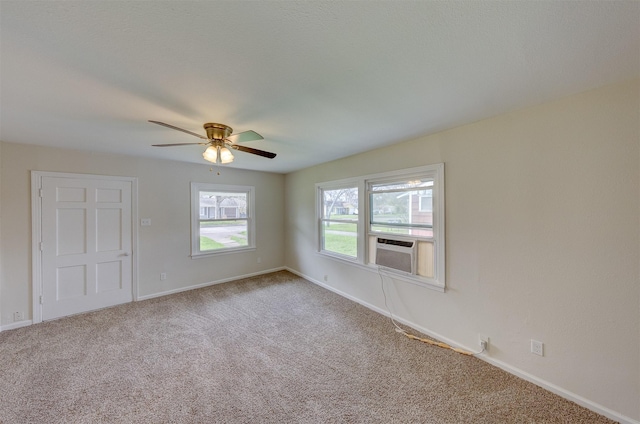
[413,337]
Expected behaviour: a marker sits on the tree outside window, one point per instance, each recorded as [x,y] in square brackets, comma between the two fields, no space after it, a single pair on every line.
[339,221]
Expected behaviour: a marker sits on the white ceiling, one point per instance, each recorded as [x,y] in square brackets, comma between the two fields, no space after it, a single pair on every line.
[319,80]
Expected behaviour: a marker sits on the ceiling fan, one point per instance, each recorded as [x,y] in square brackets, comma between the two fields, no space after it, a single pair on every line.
[219,140]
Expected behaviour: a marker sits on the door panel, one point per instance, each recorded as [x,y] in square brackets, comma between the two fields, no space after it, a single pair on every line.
[109,276]
[71,282]
[71,225]
[107,240]
[86,244]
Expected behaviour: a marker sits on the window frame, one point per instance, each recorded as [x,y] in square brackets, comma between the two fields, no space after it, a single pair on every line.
[434,172]
[196,189]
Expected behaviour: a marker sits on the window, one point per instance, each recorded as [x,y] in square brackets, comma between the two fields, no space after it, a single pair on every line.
[222,218]
[339,221]
[397,207]
[403,207]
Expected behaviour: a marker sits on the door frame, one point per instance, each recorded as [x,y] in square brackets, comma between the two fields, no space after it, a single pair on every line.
[36,231]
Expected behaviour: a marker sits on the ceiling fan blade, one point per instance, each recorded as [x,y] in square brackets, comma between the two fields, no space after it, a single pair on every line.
[254,151]
[179,129]
[244,136]
[178,144]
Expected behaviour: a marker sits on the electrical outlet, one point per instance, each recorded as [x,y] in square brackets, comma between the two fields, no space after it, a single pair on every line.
[17,316]
[259,259]
[537,348]
[483,341]
[326,278]
[163,276]
[145,222]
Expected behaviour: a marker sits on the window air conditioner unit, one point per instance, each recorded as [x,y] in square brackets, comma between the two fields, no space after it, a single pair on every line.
[397,255]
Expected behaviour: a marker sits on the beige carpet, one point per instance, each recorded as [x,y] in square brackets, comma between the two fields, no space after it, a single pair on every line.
[270,349]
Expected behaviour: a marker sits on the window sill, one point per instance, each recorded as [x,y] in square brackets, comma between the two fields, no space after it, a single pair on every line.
[428,283]
[222,252]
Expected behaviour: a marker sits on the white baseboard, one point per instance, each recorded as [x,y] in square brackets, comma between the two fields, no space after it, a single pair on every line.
[210,283]
[616,416]
[26,323]
[15,325]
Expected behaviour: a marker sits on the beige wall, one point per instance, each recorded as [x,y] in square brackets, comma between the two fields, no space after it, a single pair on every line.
[164,196]
[542,221]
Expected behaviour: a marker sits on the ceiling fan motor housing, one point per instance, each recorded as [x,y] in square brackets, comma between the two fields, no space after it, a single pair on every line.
[217,131]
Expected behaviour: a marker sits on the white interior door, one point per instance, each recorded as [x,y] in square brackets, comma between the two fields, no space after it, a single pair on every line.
[86,250]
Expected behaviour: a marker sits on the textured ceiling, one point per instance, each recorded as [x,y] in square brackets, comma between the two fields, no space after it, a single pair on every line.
[319,80]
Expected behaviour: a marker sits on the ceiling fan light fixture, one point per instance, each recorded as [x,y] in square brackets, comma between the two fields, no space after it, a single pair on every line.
[225,155]
[211,154]
[217,154]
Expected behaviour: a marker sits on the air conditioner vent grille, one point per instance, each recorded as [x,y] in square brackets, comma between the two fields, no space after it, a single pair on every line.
[397,255]
[402,243]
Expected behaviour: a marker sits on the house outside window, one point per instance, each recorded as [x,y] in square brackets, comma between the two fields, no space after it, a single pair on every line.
[425,201]
[222,218]
[397,207]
